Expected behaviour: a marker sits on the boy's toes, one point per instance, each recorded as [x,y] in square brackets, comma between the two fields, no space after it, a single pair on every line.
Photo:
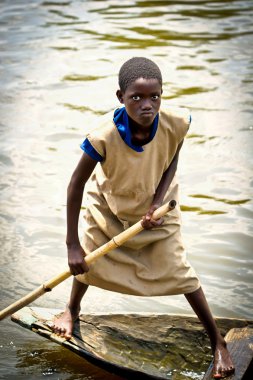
[58,330]
[217,375]
[223,373]
[230,371]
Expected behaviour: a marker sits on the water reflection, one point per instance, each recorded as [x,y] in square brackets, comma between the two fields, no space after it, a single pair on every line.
[43,359]
[228,201]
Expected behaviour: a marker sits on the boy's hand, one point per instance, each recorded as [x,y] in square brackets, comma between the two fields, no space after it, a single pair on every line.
[148,222]
[77,264]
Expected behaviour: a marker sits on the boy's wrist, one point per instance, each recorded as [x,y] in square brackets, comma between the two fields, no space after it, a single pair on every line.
[157,203]
[73,244]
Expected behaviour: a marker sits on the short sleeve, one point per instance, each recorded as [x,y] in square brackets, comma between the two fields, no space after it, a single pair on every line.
[185,114]
[185,120]
[87,147]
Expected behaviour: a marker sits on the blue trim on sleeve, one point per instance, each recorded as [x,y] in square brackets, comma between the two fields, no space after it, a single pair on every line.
[190,119]
[88,148]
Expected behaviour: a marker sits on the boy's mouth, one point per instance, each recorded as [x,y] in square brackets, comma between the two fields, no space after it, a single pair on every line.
[147,113]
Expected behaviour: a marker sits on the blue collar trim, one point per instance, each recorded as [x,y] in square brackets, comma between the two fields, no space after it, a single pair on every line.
[121,121]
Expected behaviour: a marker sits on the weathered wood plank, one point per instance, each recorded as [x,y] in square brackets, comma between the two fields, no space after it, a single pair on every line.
[136,346]
[240,346]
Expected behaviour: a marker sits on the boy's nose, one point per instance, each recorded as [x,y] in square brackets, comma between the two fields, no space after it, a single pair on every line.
[146,105]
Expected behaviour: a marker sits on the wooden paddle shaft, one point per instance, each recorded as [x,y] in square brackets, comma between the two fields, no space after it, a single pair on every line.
[101,251]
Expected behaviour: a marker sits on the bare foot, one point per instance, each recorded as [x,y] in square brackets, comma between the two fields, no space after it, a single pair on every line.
[63,326]
[223,365]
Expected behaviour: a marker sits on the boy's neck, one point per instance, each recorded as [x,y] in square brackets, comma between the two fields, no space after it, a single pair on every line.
[139,135]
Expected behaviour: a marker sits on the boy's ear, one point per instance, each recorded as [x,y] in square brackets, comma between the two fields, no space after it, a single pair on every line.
[119,95]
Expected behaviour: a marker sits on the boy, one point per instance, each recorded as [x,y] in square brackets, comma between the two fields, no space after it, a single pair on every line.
[129,165]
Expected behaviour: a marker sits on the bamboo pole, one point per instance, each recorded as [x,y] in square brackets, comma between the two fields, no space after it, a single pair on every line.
[101,251]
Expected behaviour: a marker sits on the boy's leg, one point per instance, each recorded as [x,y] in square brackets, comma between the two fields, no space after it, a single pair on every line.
[63,325]
[223,365]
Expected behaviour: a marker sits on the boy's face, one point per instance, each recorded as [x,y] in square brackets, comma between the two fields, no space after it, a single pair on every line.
[142,100]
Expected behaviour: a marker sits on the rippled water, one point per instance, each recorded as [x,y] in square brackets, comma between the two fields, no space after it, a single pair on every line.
[59,62]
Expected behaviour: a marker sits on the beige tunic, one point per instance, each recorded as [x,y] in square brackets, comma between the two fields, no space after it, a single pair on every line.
[119,193]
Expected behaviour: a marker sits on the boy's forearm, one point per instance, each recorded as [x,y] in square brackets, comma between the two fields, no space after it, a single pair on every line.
[76,186]
[74,202]
[167,178]
[165,183]
[168,175]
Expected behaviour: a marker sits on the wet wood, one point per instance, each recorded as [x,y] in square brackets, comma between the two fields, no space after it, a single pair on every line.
[240,346]
[133,345]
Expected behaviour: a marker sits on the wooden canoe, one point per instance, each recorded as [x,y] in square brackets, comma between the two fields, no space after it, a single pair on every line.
[145,346]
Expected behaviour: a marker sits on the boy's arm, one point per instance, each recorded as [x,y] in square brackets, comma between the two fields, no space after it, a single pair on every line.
[78,180]
[168,175]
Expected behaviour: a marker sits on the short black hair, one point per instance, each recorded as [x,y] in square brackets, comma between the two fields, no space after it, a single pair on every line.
[138,67]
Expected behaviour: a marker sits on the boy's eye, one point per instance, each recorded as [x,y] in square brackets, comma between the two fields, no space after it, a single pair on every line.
[136,97]
[155,97]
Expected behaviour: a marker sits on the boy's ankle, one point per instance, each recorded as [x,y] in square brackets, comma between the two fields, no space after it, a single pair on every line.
[218,341]
[74,310]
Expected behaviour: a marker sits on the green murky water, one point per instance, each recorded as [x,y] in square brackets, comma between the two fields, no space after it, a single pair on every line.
[59,62]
